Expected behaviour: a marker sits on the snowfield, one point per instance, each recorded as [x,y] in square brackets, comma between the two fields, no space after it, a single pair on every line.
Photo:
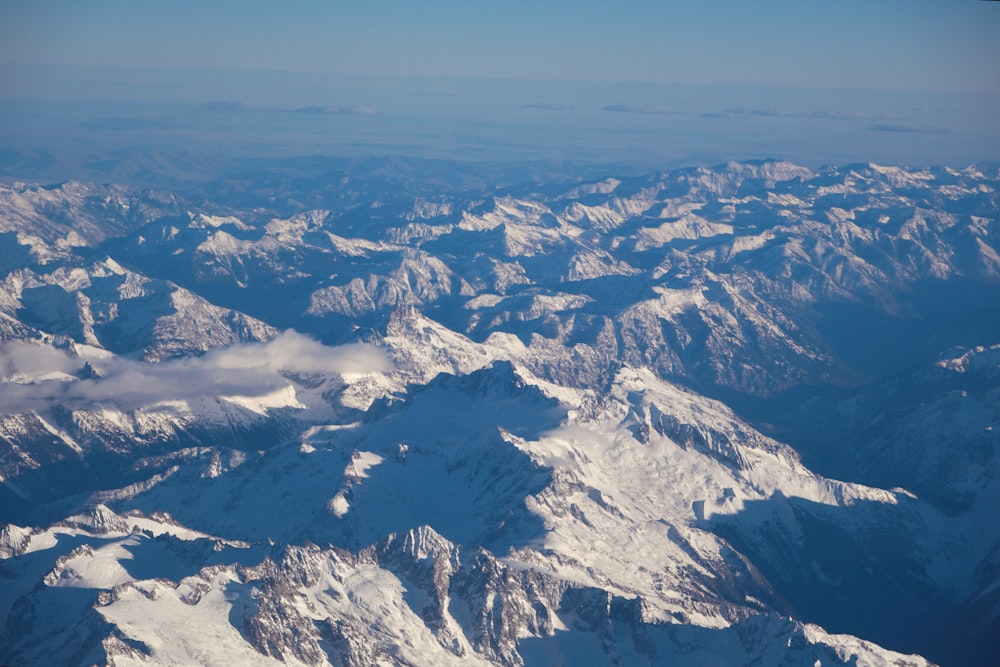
[739,415]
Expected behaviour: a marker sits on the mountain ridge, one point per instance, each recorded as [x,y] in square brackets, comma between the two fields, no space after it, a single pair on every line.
[490,436]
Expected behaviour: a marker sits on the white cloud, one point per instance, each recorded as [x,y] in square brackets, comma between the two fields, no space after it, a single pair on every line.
[297,353]
[253,369]
[29,361]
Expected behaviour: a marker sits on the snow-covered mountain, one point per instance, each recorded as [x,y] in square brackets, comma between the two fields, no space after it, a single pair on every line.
[739,415]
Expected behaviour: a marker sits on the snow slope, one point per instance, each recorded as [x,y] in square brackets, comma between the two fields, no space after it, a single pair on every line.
[738,415]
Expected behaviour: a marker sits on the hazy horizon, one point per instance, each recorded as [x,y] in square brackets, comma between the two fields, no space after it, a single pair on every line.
[638,86]
[91,117]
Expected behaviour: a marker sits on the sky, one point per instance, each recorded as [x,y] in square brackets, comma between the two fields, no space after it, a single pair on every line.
[652,84]
[921,45]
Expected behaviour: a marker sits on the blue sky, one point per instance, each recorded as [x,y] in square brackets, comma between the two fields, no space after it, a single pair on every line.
[639,82]
[927,45]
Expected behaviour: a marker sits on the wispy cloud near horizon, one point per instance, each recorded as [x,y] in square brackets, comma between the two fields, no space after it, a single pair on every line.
[766,112]
[639,109]
[542,106]
[337,110]
[908,129]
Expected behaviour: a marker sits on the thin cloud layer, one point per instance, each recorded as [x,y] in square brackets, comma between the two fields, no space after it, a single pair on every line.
[910,129]
[337,110]
[765,112]
[37,377]
[542,106]
[634,108]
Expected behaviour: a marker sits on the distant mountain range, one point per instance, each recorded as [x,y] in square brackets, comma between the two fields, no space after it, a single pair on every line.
[381,412]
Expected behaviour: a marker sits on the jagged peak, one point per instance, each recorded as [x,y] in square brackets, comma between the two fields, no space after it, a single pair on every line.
[420,543]
[99,519]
